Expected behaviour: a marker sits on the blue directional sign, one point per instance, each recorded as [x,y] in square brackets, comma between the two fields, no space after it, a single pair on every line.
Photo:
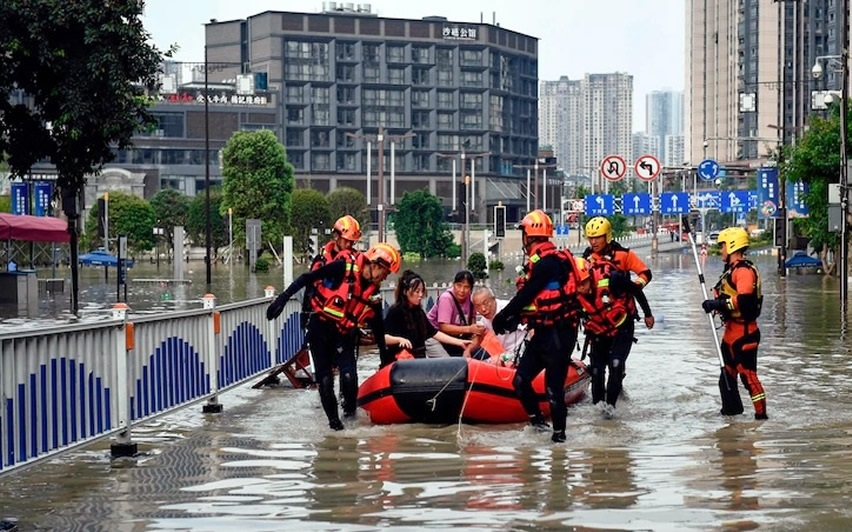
[708,170]
[674,202]
[600,205]
[734,201]
[562,230]
[796,206]
[752,199]
[767,192]
[708,199]
[636,204]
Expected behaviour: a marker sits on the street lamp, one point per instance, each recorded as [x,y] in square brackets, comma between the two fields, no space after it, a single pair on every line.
[843,59]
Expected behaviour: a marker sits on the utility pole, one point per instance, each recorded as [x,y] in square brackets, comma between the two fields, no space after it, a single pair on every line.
[468,191]
[379,139]
[535,167]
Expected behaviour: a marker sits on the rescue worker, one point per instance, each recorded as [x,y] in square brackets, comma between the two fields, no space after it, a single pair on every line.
[345,232]
[610,351]
[346,297]
[547,303]
[738,300]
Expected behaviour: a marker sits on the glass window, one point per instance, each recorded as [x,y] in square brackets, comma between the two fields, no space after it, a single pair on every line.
[471,100]
[420,76]
[294,137]
[421,54]
[320,161]
[321,115]
[346,161]
[471,79]
[169,125]
[444,57]
[319,95]
[346,117]
[371,54]
[470,58]
[471,120]
[320,139]
[445,120]
[445,78]
[420,98]
[344,140]
[396,76]
[346,95]
[295,93]
[346,73]
[345,50]
[295,115]
[446,100]
[420,119]
[396,54]
[371,73]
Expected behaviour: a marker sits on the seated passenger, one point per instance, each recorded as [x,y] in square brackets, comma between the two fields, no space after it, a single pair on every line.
[454,315]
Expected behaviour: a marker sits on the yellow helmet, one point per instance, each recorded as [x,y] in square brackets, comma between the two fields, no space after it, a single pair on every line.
[736,239]
[599,226]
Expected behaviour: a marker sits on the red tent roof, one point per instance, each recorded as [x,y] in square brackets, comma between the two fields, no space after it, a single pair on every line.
[33,228]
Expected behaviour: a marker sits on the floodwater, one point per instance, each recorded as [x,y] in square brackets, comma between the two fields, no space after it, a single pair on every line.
[667,461]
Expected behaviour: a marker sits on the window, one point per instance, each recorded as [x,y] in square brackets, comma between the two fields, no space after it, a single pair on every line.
[396,76]
[169,124]
[320,161]
[471,120]
[471,100]
[346,95]
[371,54]
[320,114]
[295,115]
[421,163]
[445,78]
[471,79]
[345,51]
[448,143]
[420,119]
[346,73]
[294,137]
[344,140]
[346,162]
[420,76]
[346,117]
[297,159]
[444,57]
[371,73]
[396,54]
[319,95]
[445,120]
[420,54]
[421,142]
[295,94]
[446,100]
[420,99]
[320,139]
[470,58]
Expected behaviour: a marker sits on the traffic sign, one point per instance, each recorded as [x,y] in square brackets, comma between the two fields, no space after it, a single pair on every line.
[562,230]
[613,167]
[734,201]
[578,206]
[636,204]
[600,205]
[674,202]
[708,170]
[796,194]
[647,167]
[707,200]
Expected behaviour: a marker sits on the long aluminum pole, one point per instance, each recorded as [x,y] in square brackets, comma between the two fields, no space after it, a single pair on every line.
[369,173]
[380,139]
[208,231]
[528,190]
[844,160]
[544,190]
[473,183]
[454,186]
[393,172]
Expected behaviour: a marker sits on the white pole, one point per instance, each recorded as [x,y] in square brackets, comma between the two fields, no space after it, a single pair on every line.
[454,184]
[231,235]
[535,182]
[369,173]
[528,190]
[287,255]
[393,172]
[544,190]
[473,184]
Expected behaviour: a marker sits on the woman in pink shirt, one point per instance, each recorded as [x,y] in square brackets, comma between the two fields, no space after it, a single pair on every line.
[454,314]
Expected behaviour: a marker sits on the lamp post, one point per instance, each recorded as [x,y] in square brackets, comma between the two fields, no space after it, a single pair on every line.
[843,265]
[208,232]
[468,190]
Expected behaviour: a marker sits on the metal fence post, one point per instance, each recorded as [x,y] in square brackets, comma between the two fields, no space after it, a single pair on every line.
[212,406]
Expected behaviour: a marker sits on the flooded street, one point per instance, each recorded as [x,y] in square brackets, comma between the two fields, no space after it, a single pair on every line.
[667,461]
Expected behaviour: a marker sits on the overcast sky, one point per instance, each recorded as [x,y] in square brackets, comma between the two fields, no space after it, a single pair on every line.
[644,38]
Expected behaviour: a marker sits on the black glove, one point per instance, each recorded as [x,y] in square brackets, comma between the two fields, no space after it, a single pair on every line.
[503,323]
[713,305]
[277,307]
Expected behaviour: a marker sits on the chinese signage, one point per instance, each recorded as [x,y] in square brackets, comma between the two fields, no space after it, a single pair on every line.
[767,192]
[20,198]
[460,32]
[220,98]
[43,195]
[796,195]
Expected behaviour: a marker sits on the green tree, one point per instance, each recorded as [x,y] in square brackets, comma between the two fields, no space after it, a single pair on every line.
[346,200]
[196,222]
[419,225]
[310,211]
[5,203]
[477,265]
[816,160]
[257,183]
[171,208]
[128,215]
[85,65]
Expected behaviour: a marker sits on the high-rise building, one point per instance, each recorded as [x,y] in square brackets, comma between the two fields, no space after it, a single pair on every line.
[444,85]
[585,120]
[748,66]
[663,117]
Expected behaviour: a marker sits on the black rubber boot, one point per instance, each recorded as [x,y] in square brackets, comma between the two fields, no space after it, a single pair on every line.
[329,402]
[538,422]
[558,436]
[349,390]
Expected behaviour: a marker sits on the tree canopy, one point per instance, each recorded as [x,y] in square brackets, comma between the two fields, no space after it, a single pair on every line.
[347,200]
[171,208]
[128,215]
[419,225]
[196,222]
[257,183]
[310,211]
[81,68]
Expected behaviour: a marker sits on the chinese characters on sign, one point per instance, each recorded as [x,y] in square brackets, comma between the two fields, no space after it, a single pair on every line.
[767,192]
[43,195]
[221,98]
[796,195]
[459,32]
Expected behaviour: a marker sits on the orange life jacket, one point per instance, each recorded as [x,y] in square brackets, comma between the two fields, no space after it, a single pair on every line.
[326,255]
[604,312]
[557,302]
[347,303]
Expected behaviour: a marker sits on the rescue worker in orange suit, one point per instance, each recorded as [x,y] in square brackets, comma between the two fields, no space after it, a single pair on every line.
[738,300]
[547,303]
[347,297]
[610,352]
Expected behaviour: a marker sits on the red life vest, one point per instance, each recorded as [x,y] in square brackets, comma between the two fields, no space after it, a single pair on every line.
[557,302]
[326,255]
[347,304]
[604,312]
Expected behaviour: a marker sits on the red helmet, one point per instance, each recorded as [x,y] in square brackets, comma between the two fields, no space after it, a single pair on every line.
[348,227]
[386,254]
[537,223]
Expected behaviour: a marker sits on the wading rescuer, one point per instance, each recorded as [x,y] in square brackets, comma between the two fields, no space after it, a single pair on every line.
[547,303]
[738,300]
[610,351]
[346,297]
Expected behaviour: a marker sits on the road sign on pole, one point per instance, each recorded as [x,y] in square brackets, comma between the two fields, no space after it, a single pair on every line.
[613,167]
[647,167]
[708,170]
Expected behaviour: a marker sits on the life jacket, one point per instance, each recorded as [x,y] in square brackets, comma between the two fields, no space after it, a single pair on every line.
[346,303]
[326,255]
[557,302]
[617,255]
[604,311]
[726,288]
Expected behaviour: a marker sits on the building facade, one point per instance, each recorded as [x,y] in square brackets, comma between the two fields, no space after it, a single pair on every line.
[748,73]
[434,87]
[663,118]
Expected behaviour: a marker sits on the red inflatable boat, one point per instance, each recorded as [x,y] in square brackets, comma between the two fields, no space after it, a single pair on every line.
[440,390]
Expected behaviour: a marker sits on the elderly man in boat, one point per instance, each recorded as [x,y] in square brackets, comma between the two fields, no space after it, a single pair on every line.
[503,349]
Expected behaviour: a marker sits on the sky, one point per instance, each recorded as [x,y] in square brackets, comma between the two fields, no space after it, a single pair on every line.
[644,38]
